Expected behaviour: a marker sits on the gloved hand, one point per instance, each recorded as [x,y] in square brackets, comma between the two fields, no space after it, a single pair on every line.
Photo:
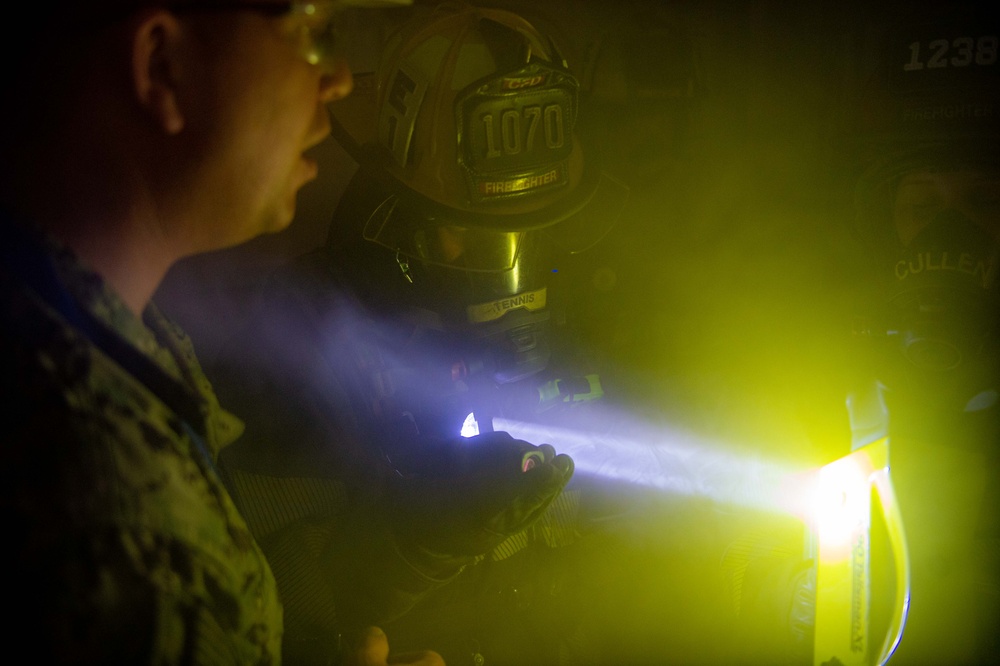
[468,495]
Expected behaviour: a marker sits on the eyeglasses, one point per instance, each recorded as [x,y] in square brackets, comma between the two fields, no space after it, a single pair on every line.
[312,23]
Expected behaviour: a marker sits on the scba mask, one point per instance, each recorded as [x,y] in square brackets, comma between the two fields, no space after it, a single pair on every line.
[457,313]
[481,295]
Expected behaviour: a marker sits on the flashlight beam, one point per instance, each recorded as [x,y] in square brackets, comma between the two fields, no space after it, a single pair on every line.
[674,462]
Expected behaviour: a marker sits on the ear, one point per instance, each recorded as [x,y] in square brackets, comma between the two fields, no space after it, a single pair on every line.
[156,40]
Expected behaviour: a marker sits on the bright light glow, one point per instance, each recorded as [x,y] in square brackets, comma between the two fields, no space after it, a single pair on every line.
[841,504]
[471,427]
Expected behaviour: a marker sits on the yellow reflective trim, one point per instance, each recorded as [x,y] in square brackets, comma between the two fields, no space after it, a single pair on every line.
[841,524]
[529,300]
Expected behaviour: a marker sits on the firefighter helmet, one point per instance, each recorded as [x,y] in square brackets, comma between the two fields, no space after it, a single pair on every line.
[931,100]
[927,134]
[472,116]
[472,172]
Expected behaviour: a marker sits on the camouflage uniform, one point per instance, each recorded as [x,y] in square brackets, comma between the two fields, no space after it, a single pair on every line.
[123,544]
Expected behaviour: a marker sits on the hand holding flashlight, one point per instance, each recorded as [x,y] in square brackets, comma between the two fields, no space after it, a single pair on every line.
[482,490]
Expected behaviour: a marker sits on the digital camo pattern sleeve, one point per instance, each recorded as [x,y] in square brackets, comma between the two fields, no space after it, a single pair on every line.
[123,545]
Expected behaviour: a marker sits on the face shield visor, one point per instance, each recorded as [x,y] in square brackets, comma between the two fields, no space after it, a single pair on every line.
[486,288]
[442,243]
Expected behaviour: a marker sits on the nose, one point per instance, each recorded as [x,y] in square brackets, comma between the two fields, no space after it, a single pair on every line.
[336,83]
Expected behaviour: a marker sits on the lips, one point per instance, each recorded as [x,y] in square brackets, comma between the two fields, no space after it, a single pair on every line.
[310,161]
[311,167]
[320,133]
